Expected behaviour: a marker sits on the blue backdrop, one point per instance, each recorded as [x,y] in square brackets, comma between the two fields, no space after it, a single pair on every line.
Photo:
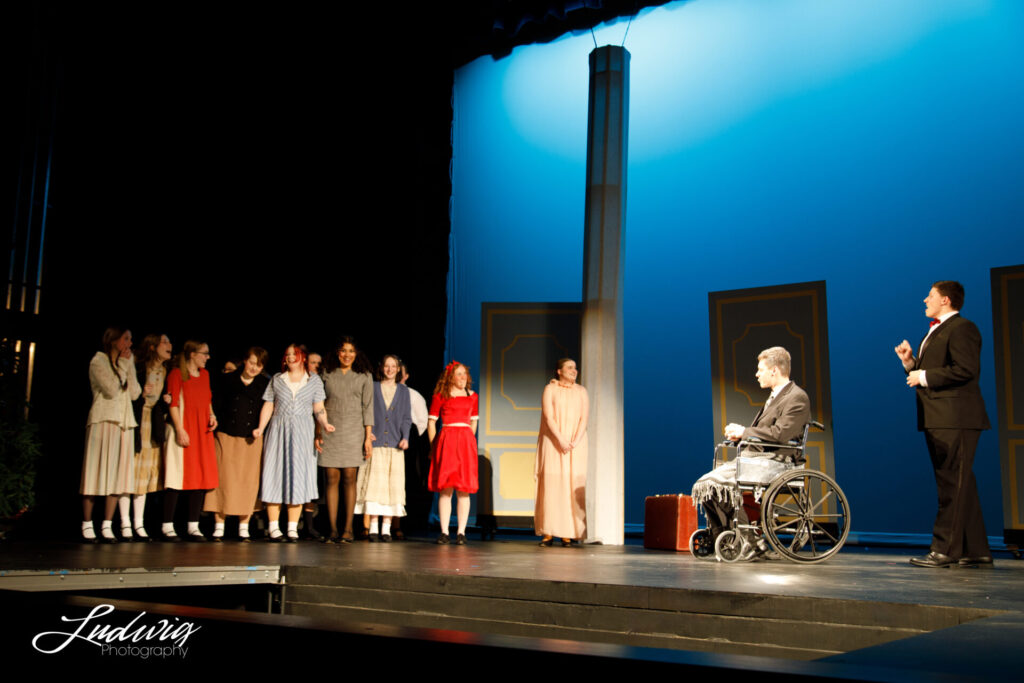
[873,144]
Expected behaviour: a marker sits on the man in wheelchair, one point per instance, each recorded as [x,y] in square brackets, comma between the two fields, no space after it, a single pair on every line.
[781,419]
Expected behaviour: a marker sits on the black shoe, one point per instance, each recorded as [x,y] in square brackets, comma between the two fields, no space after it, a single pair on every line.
[244,539]
[142,539]
[291,539]
[933,559]
[985,560]
[443,539]
[276,539]
[197,537]
[217,539]
[546,542]
[460,539]
[566,542]
[373,538]
[170,538]
[385,538]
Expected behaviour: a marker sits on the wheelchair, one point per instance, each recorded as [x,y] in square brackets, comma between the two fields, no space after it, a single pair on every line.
[799,513]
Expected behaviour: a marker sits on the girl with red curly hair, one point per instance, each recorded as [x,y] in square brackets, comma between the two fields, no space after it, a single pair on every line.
[453,461]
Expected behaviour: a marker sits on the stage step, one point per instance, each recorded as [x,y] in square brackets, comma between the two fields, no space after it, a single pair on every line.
[713,621]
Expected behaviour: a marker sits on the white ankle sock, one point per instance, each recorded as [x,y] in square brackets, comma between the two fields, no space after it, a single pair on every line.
[218,530]
[88,533]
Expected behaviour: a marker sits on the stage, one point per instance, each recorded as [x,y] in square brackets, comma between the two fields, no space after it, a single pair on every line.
[864,610]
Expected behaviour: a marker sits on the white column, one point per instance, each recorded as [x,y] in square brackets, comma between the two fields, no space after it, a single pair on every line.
[603,262]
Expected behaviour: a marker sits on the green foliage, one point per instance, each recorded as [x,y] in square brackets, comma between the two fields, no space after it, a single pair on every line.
[20,446]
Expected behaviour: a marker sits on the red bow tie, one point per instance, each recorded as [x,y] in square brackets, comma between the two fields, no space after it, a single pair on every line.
[933,323]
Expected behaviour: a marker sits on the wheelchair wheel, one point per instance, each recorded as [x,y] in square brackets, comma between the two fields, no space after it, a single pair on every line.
[805,516]
[701,546]
[729,547]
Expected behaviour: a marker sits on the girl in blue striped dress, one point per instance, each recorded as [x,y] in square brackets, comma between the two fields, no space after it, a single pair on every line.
[291,402]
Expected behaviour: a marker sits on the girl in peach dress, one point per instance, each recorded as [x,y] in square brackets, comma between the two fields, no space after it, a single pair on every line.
[561,465]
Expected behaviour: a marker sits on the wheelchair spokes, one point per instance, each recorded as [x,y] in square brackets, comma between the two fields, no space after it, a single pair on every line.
[805,516]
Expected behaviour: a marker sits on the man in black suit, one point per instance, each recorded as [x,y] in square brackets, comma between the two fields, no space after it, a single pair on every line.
[951,413]
[782,418]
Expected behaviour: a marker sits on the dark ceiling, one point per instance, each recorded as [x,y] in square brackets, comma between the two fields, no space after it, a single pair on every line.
[495,27]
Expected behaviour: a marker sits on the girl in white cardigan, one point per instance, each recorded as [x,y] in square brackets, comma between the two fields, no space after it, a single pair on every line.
[108,469]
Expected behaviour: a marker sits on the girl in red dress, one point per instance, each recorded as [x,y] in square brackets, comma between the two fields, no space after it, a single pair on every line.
[190,464]
[453,461]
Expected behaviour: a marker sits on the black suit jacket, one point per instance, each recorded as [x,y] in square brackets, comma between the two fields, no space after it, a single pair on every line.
[951,361]
[784,418]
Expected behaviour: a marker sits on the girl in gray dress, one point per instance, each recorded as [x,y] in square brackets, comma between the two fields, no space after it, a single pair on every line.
[349,389]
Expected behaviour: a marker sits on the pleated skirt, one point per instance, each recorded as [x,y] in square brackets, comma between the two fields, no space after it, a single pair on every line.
[380,487]
[109,465]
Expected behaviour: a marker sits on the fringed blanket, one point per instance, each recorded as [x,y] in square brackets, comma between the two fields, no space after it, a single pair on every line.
[718,484]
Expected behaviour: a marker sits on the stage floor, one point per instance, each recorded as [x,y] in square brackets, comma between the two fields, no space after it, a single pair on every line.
[854,574]
[985,647]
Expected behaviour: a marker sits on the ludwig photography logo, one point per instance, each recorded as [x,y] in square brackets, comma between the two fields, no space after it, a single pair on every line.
[140,637]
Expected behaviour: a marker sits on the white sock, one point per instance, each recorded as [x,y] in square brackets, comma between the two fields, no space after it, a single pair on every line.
[293,529]
[243,530]
[167,529]
[139,502]
[124,506]
[275,531]
[88,533]
[193,529]
[385,527]
[218,530]
[107,530]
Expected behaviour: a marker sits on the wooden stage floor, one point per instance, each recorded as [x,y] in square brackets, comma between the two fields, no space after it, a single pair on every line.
[985,647]
[854,574]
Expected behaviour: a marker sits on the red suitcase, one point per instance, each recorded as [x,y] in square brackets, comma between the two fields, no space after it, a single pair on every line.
[669,521]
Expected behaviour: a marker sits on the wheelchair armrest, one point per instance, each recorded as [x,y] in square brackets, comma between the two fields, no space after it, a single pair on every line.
[754,441]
